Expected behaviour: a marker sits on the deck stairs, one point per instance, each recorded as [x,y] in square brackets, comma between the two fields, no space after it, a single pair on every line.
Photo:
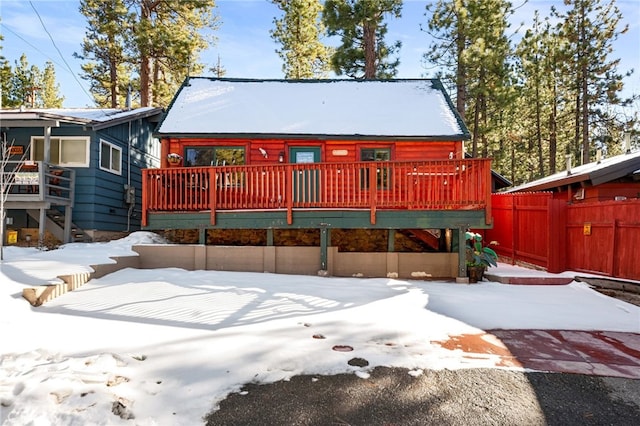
[424,236]
[55,225]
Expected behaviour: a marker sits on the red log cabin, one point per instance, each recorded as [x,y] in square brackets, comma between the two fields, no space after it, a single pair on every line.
[318,156]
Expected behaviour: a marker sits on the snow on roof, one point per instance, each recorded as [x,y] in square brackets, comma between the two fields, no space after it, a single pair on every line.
[597,172]
[409,108]
[77,115]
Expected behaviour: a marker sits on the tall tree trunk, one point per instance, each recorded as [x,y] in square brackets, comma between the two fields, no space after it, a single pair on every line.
[483,135]
[553,133]
[539,131]
[583,88]
[113,75]
[145,60]
[369,30]
[476,128]
[585,117]
[577,117]
[461,77]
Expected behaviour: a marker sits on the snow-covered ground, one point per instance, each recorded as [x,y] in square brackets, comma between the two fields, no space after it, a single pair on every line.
[164,346]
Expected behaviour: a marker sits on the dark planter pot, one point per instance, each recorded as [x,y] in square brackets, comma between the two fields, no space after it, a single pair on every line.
[475,273]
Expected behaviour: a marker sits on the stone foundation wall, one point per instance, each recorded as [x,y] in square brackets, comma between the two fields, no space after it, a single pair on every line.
[346,240]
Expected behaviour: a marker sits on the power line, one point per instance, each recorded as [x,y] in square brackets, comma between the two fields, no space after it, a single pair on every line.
[36,48]
[60,53]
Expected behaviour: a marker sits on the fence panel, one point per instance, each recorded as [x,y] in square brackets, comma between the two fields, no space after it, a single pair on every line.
[601,238]
[521,226]
[597,237]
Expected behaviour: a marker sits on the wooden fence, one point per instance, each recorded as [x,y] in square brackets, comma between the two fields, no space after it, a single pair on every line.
[597,237]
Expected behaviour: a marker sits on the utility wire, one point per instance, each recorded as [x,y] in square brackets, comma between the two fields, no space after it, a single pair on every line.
[60,53]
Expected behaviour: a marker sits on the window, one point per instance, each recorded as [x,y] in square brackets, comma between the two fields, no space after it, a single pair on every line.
[64,151]
[375,154]
[110,157]
[215,156]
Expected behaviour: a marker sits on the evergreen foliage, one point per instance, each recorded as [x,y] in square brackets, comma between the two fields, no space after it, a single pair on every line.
[555,92]
[299,32]
[27,86]
[108,63]
[362,29]
[151,44]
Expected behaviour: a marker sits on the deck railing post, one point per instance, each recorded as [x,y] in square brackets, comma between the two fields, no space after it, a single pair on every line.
[289,193]
[213,194]
[373,186]
[145,196]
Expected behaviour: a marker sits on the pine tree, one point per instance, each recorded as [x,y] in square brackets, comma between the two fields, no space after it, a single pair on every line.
[5,79]
[449,26]
[360,24]
[536,100]
[167,40]
[588,29]
[109,66]
[151,44]
[219,70]
[472,46]
[50,92]
[299,32]
[24,83]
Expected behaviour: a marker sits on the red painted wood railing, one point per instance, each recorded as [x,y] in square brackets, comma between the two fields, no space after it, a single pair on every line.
[425,185]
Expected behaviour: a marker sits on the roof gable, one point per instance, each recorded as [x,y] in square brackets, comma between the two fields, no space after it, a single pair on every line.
[417,108]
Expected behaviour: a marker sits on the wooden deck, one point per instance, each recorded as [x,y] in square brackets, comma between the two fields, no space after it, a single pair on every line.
[34,184]
[444,185]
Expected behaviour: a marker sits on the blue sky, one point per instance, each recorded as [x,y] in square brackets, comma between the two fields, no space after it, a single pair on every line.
[245,48]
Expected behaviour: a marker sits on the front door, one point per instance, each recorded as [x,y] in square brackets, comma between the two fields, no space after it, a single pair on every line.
[306,183]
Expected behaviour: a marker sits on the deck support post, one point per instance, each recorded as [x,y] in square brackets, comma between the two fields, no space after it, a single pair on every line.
[462,256]
[269,237]
[202,236]
[68,213]
[324,239]
[391,240]
[41,226]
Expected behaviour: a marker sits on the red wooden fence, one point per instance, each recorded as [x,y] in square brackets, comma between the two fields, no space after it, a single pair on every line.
[424,185]
[597,237]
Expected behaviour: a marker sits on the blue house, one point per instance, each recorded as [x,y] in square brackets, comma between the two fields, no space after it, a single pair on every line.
[76,173]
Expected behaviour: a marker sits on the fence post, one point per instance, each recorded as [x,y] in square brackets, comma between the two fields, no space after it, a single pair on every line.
[612,258]
[514,227]
[557,235]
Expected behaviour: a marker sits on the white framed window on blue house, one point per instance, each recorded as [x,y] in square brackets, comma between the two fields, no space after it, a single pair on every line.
[72,151]
[110,157]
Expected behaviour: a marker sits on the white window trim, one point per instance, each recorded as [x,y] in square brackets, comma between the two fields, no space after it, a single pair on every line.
[111,148]
[87,147]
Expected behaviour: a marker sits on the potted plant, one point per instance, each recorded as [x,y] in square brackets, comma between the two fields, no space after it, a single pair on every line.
[174,159]
[479,256]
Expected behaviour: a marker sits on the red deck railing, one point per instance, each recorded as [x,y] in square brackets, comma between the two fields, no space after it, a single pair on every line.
[423,185]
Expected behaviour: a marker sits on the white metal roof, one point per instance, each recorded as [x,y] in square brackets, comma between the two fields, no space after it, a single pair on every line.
[388,108]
